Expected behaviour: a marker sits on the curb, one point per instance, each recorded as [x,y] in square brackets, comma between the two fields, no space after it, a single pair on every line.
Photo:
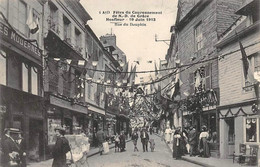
[196,162]
[110,147]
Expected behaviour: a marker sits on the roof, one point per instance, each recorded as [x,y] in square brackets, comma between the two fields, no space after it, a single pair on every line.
[248,6]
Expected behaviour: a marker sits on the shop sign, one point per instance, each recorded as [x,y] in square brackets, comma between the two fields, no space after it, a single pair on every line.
[17,40]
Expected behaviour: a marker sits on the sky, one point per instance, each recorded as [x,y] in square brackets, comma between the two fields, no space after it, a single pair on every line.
[138,43]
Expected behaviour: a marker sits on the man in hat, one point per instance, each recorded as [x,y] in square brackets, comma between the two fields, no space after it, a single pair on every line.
[10,147]
[144,139]
[60,149]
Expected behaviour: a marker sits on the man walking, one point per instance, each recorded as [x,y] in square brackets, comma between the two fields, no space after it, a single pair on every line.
[192,141]
[144,139]
[101,139]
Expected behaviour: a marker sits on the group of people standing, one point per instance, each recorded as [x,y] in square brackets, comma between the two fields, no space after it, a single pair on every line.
[144,139]
[190,142]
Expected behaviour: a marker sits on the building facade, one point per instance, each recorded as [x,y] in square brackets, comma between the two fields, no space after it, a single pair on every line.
[239,121]
[64,73]
[197,29]
[21,88]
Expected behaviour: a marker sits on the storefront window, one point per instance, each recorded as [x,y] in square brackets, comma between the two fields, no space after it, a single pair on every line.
[25,77]
[231,130]
[52,124]
[34,80]
[251,129]
[2,67]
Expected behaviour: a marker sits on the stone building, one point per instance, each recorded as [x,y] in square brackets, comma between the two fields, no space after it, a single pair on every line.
[21,88]
[198,27]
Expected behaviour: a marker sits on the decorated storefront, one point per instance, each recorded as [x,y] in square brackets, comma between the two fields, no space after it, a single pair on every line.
[239,124]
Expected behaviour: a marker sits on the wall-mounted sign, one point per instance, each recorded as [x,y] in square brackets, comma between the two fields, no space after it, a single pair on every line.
[17,40]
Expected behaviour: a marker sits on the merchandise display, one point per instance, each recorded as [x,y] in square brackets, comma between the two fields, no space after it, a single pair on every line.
[79,146]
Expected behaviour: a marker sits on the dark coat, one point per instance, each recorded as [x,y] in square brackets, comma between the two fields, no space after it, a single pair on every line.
[100,137]
[146,139]
[192,137]
[122,141]
[59,155]
[8,146]
[178,144]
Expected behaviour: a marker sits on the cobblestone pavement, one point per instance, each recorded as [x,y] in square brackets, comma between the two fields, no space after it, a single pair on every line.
[161,157]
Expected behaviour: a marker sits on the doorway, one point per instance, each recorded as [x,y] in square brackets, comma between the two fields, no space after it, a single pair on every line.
[36,140]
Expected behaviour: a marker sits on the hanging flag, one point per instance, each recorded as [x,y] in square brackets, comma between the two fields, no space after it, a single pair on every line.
[131,78]
[248,73]
[155,69]
[33,23]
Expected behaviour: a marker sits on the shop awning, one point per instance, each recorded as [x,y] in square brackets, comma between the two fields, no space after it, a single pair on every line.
[64,103]
[60,48]
[96,109]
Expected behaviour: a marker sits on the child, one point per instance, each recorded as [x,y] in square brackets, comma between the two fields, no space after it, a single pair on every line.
[117,144]
[152,144]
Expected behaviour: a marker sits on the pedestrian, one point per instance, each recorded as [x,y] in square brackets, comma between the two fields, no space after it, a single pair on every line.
[192,141]
[122,141]
[186,146]
[177,143]
[10,148]
[100,139]
[203,143]
[152,144]
[135,138]
[144,139]
[60,149]
[117,143]
[21,143]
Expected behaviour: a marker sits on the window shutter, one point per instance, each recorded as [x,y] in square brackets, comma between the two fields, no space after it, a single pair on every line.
[208,77]
[191,81]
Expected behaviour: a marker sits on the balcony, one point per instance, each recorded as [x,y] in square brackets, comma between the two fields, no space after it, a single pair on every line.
[61,48]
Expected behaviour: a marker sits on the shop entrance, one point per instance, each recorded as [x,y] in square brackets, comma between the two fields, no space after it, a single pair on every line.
[36,143]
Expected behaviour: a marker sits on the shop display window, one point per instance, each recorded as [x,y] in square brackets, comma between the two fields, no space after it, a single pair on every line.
[251,129]
[52,124]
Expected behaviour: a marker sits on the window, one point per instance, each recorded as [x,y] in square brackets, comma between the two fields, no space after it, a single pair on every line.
[90,91]
[20,16]
[2,67]
[67,29]
[198,37]
[251,126]
[231,130]
[25,77]
[203,78]
[78,40]
[3,7]
[34,80]
[53,19]
[254,67]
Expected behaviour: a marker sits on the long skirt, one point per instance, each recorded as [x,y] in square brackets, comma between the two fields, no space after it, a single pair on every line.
[177,149]
[204,147]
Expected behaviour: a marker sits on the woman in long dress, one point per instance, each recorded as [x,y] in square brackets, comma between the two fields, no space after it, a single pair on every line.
[203,143]
[177,144]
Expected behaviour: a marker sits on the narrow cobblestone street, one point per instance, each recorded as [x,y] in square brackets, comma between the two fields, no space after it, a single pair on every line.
[161,157]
